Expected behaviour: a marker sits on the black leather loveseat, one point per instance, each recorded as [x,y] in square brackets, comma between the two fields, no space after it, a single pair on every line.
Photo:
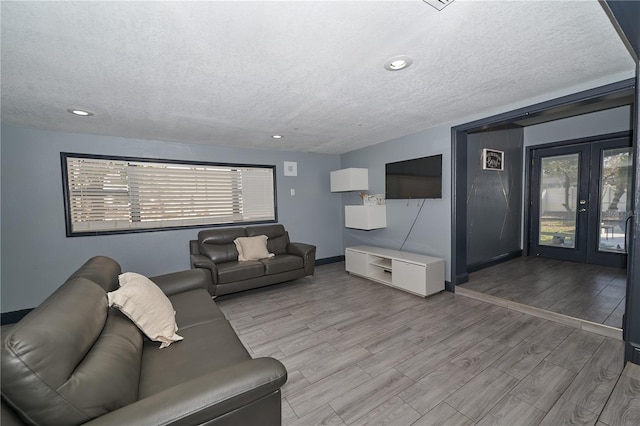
[215,251]
[73,360]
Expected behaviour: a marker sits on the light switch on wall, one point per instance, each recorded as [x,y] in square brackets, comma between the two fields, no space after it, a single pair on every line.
[293,192]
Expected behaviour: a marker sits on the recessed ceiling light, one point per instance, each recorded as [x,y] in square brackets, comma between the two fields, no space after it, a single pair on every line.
[80,112]
[398,63]
[277,136]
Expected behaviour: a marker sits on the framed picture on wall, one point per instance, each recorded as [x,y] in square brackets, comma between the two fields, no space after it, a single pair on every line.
[492,159]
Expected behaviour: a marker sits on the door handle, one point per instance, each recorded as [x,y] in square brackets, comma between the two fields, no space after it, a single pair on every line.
[582,210]
[583,202]
[626,231]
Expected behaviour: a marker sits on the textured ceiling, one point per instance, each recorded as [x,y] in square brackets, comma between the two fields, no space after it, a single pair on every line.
[234,73]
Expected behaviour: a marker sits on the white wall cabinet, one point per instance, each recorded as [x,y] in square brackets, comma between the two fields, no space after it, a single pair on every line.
[415,273]
[352,179]
[365,217]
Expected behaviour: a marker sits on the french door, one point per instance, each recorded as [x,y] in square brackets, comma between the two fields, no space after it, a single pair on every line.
[581,200]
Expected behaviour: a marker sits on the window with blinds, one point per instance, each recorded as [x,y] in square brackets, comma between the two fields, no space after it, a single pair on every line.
[118,195]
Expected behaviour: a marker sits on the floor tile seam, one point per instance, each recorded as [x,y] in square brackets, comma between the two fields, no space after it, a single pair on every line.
[489,366]
[388,397]
[454,409]
[472,420]
[618,374]
[289,373]
[413,382]
[477,321]
[279,346]
[562,396]
[612,312]
[333,396]
[511,375]
[518,342]
[375,408]
[510,395]
[631,366]
[431,371]
[245,334]
[334,411]
[292,410]
[558,392]
[507,393]
[592,361]
[456,389]
[344,367]
[463,311]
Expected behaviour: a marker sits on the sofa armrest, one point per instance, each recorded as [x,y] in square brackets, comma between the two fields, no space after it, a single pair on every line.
[308,254]
[202,261]
[207,397]
[178,282]
[194,247]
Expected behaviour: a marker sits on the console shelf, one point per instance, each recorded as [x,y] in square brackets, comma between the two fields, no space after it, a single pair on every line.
[381,262]
[415,273]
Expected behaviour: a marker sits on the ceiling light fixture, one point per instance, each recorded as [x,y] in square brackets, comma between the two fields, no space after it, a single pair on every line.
[277,136]
[398,63]
[80,112]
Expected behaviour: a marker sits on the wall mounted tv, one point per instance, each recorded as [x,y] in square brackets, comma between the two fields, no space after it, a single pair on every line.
[416,178]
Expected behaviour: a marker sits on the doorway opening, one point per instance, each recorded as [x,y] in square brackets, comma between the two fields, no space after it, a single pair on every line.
[543,269]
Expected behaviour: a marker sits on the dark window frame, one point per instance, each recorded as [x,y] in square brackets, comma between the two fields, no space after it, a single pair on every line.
[66,193]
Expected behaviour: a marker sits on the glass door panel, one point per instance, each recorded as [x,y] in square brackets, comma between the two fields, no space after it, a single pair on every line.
[558,200]
[615,195]
[580,201]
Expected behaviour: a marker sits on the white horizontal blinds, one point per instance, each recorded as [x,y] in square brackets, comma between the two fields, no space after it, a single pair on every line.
[179,195]
[98,194]
[159,195]
[257,194]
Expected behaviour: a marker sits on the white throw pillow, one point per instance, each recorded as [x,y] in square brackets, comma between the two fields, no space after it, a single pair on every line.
[252,248]
[147,306]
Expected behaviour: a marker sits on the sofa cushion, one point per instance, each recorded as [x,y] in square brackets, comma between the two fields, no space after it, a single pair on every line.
[147,306]
[100,270]
[71,359]
[206,347]
[217,244]
[229,272]
[194,307]
[282,263]
[278,237]
[252,248]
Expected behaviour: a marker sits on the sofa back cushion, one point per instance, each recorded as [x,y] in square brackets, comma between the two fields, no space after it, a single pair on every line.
[278,237]
[101,270]
[217,244]
[71,359]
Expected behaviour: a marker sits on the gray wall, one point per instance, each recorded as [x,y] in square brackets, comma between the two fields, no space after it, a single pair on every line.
[431,234]
[494,197]
[37,256]
[597,123]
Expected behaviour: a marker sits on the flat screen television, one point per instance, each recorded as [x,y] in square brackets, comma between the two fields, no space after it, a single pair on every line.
[416,178]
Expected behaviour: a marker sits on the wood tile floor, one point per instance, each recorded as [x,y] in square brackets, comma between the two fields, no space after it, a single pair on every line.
[589,292]
[361,353]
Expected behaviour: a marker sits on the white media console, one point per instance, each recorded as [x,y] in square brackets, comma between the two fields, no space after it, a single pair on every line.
[415,273]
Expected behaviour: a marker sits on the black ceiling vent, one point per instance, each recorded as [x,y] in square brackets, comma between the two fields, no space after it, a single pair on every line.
[438,4]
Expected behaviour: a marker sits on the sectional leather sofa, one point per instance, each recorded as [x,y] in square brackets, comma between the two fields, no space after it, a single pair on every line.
[215,251]
[73,360]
